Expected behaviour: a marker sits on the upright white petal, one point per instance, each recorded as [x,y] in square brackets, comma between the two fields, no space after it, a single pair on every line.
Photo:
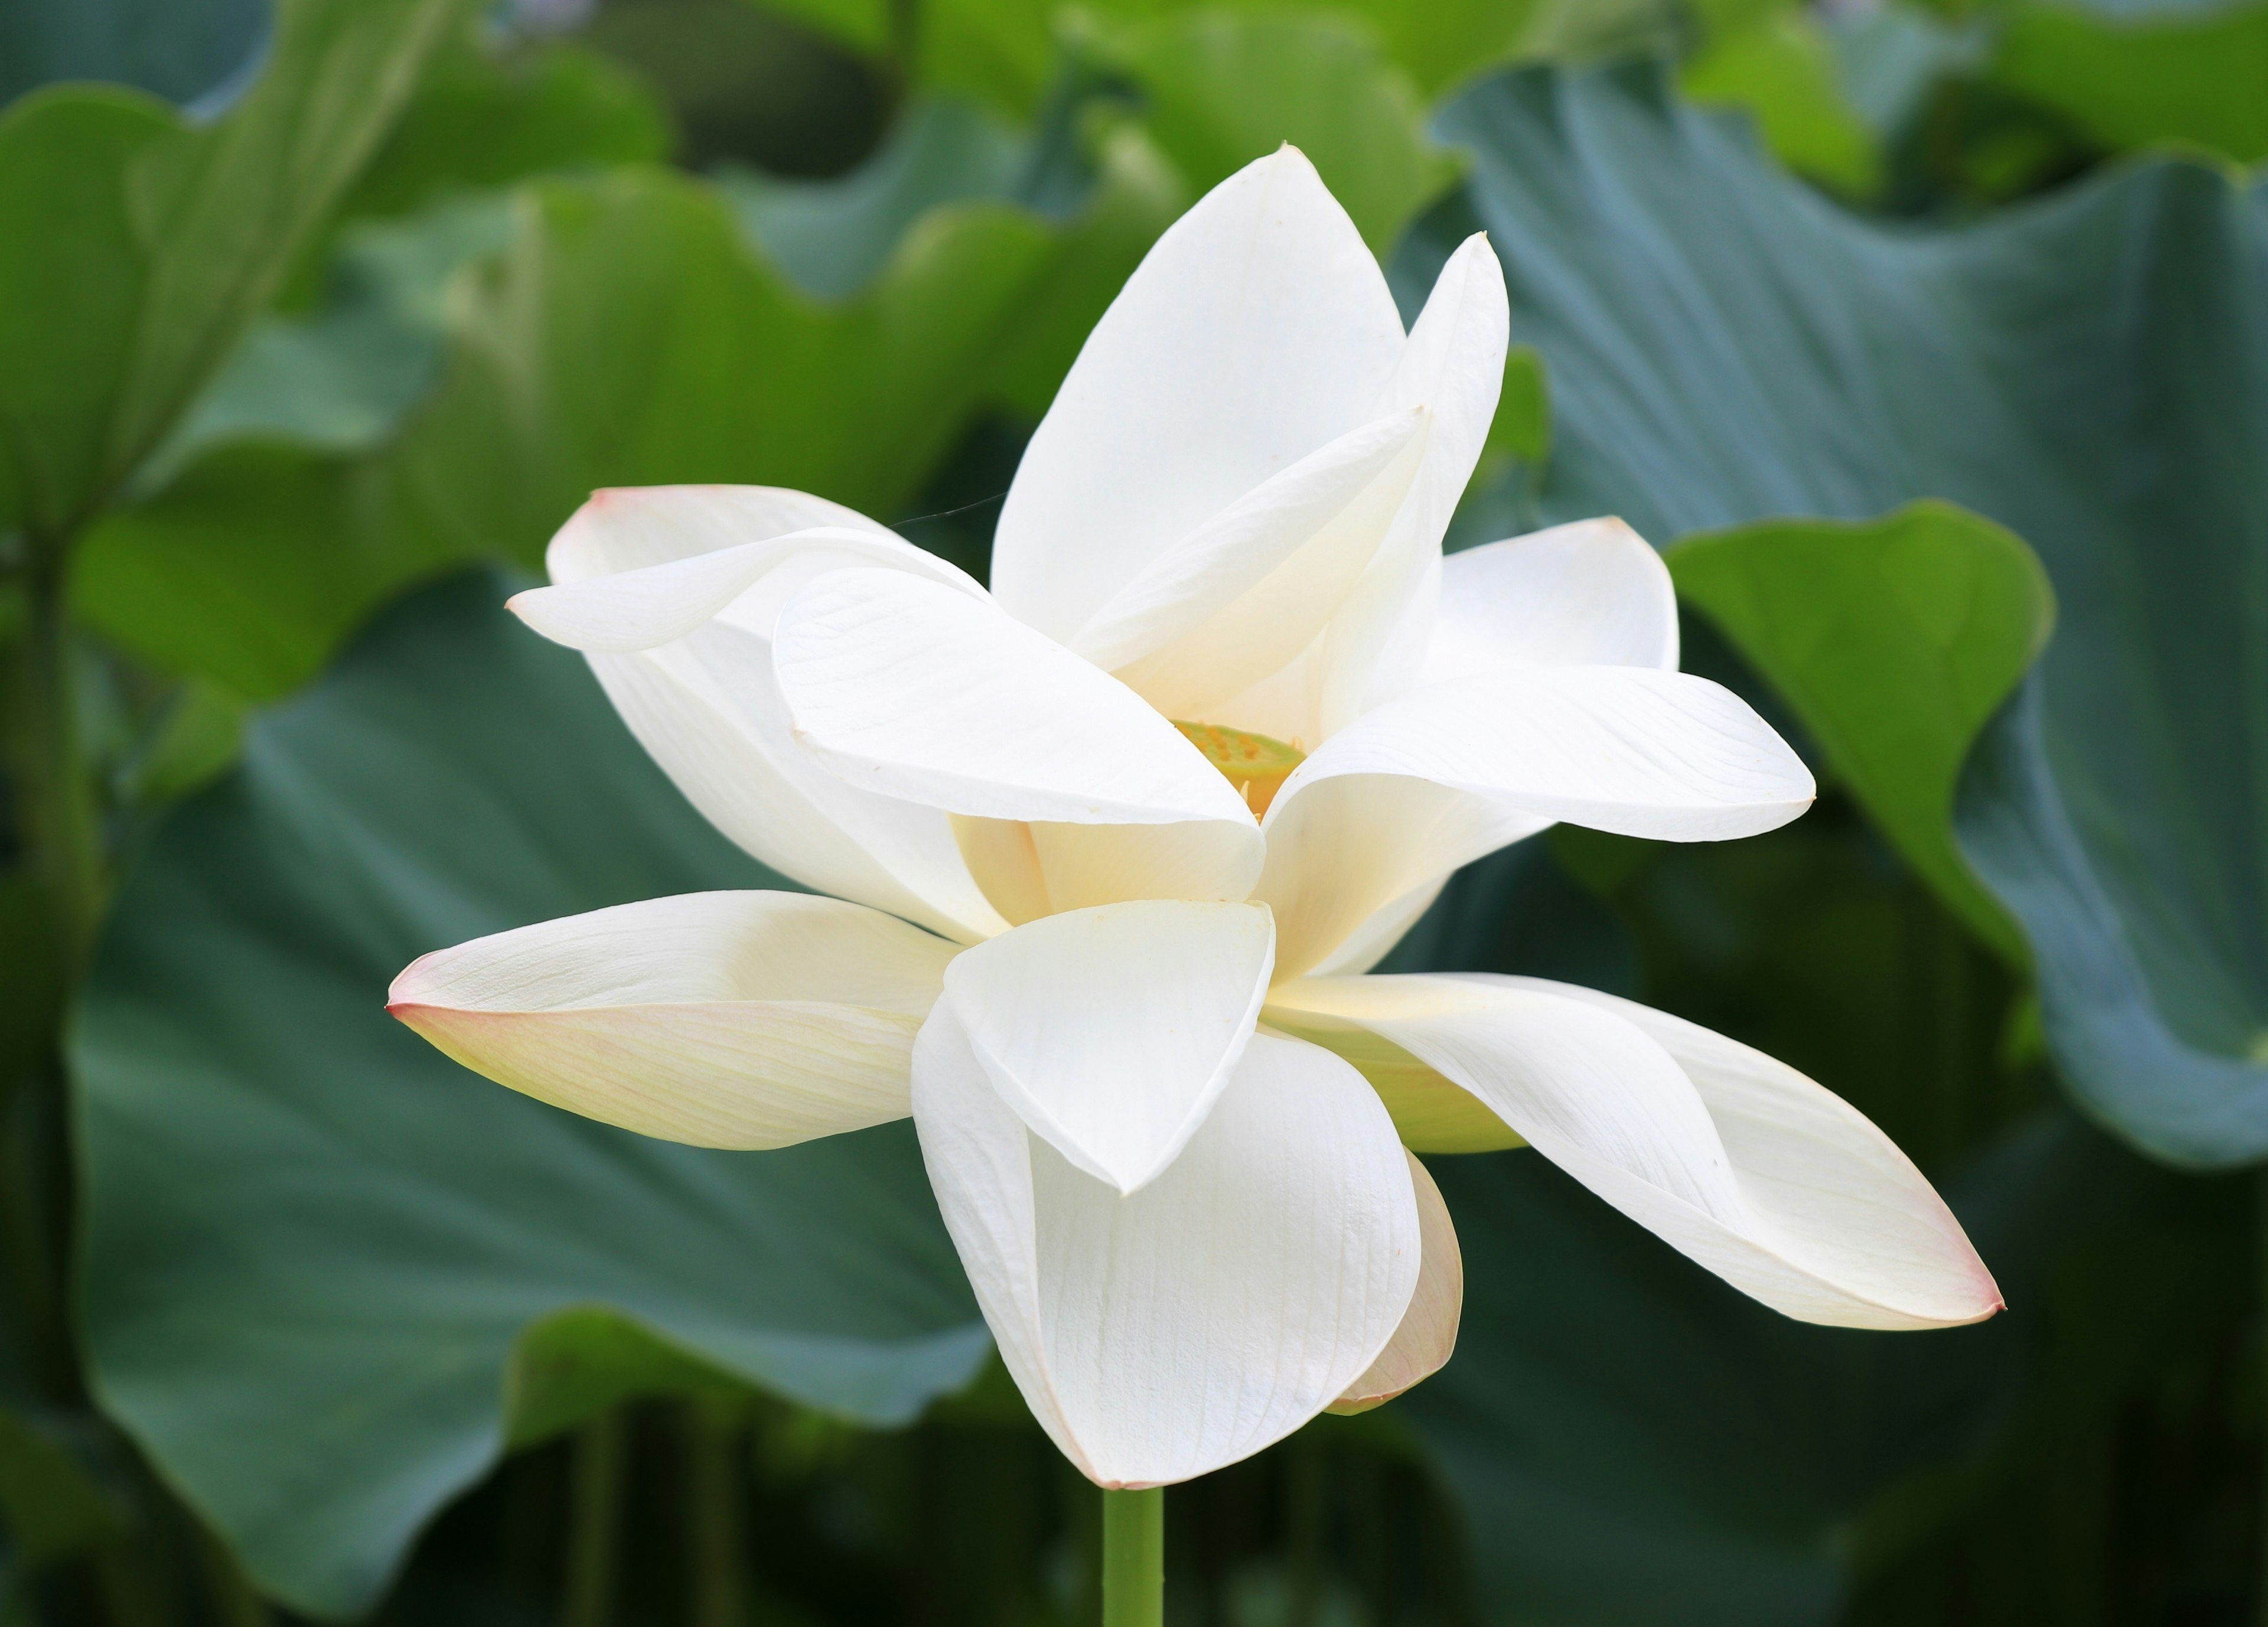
[1427,1337]
[1257,330]
[631,527]
[1591,593]
[1161,1335]
[911,689]
[1246,593]
[1113,1031]
[1346,850]
[723,1019]
[1734,1159]
[1453,367]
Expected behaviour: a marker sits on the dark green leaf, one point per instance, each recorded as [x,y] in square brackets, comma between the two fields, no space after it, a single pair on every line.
[134,249]
[316,1247]
[1894,640]
[2134,80]
[2091,372]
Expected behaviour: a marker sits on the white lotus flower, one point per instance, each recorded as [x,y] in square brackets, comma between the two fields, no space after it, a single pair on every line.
[1110,844]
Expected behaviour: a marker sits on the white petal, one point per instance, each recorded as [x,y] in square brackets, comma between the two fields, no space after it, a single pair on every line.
[1384,927]
[1243,596]
[1035,868]
[1579,1083]
[1162,1336]
[1431,1112]
[1453,367]
[631,528]
[913,690]
[1427,1337]
[1113,1031]
[1629,749]
[708,712]
[1348,847]
[1258,329]
[1587,595]
[723,1019]
[1790,1193]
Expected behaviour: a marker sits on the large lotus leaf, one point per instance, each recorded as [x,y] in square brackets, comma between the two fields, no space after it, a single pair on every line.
[135,248]
[321,1257]
[192,51]
[2090,372]
[1221,89]
[2183,74]
[628,334]
[1894,640]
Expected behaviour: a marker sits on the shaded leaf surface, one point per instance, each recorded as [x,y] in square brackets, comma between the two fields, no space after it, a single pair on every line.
[314,1244]
[2090,370]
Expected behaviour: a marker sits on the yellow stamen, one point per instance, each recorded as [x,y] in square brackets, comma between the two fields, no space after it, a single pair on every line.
[1255,765]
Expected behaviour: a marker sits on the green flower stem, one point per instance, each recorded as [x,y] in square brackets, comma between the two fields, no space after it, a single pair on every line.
[594,1522]
[1134,1558]
[58,806]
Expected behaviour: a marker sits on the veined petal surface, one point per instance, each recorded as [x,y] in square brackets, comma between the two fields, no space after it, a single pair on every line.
[1113,1031]
[721,1019]
[1629,749]
[1592,593]
[1246,592]
[1452,368]
[1258,329]
[1427,1336]
[914,689]
[1734,1159]
[1160,1336]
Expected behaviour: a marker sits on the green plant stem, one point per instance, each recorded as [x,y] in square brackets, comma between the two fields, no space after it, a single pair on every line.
[594,1522]
[2260,1268]
[56,793]
[1134,1558]
[714,1515]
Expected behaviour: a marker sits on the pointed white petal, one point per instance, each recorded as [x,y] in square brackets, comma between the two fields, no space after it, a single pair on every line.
[1587,595]
[1423,1344]
[1790,1194]
[1244,594]
[1113,1031]
[1453,367]
[1386,926]
[915,690]
[631,528]
[1257,330]
[1629,749]
[639,609]
[1162,1336]
[1346,847]
[722,1020]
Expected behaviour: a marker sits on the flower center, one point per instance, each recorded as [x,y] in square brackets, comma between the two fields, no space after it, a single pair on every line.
[1255,765]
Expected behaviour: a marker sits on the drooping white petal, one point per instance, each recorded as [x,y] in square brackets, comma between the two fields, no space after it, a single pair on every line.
[1453,367]
[1345,848]
[708,711]
[1587,595]
[1629,749]
[631,528]
[913,690]
[722,1020]
[1243,596]
[706,704]
[638,610]
[1258,329]
[1113,1031]
[1423,1344]
[1161,1335]
[1734,1159]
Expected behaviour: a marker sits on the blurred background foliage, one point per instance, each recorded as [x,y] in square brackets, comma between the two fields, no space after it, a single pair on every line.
[1929,339]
